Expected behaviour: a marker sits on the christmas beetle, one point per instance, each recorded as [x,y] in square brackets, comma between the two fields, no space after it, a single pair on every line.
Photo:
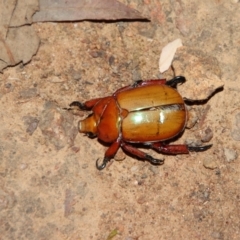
[148,112]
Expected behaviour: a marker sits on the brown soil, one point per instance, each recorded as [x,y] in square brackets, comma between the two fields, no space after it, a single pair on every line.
[50,187]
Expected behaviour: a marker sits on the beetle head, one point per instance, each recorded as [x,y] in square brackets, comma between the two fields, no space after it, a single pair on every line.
[88,125]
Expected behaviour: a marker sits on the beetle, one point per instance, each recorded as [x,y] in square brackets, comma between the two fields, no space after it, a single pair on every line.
[149,113]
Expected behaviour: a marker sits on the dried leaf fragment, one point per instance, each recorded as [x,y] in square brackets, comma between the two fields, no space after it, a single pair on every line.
[19,46]
[18,42]
[168,53]
[74,10]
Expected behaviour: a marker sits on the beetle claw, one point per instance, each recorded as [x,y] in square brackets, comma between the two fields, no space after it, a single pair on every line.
[79,105]
[154,160]
[103,165]
[137,83]
[199,149]
[175,81]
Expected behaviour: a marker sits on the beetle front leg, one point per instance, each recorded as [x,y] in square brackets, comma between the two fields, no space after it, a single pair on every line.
[136,152]
[104,163]
[109,154]
[178,149]
[85,106]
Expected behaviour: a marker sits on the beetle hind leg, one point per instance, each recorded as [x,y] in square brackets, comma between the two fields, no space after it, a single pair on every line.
[199,149]
[136,152]
[178,148]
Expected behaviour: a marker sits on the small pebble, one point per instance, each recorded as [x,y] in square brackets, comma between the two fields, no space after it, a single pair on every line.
[192,118]
[206,134]
[230,154]
[23,166]
[56,79]
[120,155]
[28,93]
[31,123]
[236,129]
[210,163]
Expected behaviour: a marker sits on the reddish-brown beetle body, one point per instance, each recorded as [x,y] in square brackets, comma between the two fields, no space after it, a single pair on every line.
[148,112]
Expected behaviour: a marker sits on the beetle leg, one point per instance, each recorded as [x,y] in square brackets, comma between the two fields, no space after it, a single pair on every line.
[199,149]
[85,106]
[171,149]
[109,154]
[172,83]
[175,81]
[80,105]
[104,163]
[177,149]
[140,83]
[136,152]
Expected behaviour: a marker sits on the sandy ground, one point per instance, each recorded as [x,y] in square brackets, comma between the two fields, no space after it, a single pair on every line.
[50,187]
